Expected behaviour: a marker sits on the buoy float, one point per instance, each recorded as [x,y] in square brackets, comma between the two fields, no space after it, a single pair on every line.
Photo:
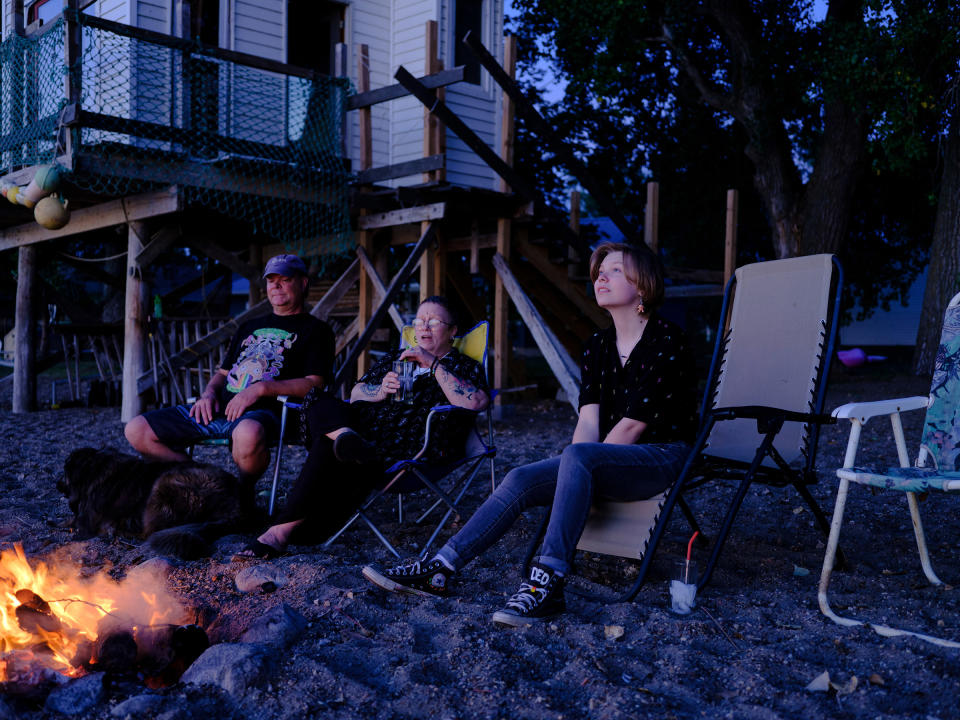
[45,180]
[51,213]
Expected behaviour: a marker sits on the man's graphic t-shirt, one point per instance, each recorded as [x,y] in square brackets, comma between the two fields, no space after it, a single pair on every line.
[278,347]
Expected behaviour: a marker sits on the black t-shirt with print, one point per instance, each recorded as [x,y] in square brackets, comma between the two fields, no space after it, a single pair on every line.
[657,385]
[397,428]
[278,347]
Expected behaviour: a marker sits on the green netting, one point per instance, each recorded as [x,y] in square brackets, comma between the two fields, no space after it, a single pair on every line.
[256,145]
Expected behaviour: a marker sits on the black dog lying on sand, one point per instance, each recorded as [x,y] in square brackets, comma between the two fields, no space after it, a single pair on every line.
[179,507]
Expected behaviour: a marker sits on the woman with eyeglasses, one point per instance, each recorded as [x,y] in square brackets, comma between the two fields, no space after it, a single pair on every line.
[352,444]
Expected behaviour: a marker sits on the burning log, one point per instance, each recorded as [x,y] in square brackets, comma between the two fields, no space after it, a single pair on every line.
[34,613]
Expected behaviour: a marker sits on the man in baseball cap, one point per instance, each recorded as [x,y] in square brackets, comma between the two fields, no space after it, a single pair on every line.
[287,352]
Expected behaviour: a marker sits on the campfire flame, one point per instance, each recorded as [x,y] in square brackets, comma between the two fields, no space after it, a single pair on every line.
[48,615]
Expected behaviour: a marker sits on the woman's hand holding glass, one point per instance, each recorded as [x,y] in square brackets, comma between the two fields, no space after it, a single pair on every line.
[388,386]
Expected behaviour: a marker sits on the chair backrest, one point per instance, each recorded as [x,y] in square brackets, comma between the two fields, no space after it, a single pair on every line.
[472,343]
[775,351]
[941,427]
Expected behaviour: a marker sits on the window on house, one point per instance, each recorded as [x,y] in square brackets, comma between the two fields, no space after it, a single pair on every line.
[314,28]
[468,16]
[44,11]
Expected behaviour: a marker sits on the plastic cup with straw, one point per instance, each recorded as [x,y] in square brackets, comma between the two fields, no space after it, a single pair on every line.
[683,593]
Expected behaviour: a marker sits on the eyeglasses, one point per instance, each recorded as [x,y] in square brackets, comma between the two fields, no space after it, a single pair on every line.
[432,323]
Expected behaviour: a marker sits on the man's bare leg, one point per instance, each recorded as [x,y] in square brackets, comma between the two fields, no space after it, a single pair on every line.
[142,438]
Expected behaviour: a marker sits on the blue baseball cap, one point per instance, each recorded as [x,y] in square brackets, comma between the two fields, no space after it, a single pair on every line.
[287,265]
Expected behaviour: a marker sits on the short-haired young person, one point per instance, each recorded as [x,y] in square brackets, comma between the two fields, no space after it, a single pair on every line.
[636,425]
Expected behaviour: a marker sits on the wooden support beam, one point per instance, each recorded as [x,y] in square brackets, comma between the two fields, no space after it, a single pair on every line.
[428,268]
[134,328]
[392,92]
[159,242]
[501,302]
[25,353]
[559,360]
[336,291]
[474,247]
[224,257]
[410,167]
[378,286]
[434,211]
[432,128]
[730,236]
[651,221]
[366,126]
[557,274]
[402,276]
[346,335]
[366,299]
[108,214]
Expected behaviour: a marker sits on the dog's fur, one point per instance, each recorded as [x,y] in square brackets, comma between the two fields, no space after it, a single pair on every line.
[178,506]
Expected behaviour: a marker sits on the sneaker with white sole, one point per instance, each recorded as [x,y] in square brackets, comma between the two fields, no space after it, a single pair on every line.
[539,598]
[416,577]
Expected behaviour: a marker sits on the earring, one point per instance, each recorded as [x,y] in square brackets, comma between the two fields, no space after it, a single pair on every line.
[641,308]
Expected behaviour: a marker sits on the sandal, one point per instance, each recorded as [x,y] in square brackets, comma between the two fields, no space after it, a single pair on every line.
[257,550]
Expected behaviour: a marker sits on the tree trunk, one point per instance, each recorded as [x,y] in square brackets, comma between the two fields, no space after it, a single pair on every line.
[942,273]
[828,200]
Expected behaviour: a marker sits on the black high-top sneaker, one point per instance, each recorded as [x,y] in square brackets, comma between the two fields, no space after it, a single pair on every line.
[539,598]
[416,577]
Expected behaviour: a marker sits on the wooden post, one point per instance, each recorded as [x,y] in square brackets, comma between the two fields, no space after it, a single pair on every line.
[256,260]
[575,226]
[25,354]
[340,59]
[730,236]
[651,225]
[366,126]
[72,54]
[432,128]
[134,334]
[501,300]
[366,302]
[428,266]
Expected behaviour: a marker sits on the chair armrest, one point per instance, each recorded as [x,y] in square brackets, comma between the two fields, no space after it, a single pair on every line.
[863,411]
[288,403]
[763,413]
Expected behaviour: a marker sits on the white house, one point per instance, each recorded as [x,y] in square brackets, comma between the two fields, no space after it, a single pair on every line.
[305,33]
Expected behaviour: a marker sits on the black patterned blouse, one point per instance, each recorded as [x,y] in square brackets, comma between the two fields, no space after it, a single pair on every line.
[657,385]
[397,428]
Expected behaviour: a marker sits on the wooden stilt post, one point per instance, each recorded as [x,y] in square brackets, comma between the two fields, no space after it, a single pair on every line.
[363,114]
[367,299]
[501,300]
[730,237]
[433,141]
[651,225]
[134,331]
[25,354]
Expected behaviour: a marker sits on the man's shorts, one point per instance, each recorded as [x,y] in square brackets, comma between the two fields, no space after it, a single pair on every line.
[174,427]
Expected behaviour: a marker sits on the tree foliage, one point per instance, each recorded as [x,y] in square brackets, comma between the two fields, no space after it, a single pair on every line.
[828,126]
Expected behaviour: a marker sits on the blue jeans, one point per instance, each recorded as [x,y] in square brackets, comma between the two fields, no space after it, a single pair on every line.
[568,482]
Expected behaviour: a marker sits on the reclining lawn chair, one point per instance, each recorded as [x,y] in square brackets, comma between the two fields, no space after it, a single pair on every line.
[448,482]
[936,468]
[761,410]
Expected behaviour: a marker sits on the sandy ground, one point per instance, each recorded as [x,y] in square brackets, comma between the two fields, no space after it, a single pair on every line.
[755,641]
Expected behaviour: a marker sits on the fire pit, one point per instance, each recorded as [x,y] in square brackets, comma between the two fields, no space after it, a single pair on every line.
[56,625]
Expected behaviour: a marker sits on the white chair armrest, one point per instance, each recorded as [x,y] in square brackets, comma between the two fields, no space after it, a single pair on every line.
[863,411]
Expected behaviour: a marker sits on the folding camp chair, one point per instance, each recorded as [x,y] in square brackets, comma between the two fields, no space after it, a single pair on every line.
[936,469]
[288,405]
[761,410]
[415,473]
